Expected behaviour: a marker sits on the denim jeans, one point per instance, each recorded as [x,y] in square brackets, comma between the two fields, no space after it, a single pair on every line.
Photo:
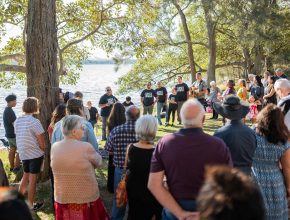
[179,105]
[117,213]
[188,205]
[104,127]
[160,106]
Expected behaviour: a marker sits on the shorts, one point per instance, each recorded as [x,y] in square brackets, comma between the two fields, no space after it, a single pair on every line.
[33,165]
[12,142]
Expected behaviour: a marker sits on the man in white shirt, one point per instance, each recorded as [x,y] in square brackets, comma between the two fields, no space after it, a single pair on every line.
[282,88]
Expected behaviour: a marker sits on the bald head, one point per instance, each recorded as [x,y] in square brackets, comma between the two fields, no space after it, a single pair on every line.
[192,114]
[132,113]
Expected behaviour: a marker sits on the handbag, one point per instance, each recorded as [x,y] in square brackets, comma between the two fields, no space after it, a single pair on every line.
[121,192]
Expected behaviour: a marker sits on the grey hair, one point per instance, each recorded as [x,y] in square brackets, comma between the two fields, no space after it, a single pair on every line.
[279,70]
[282,84]
[146,128]
[212,83]
[197,120]
[132,113]
[70,123]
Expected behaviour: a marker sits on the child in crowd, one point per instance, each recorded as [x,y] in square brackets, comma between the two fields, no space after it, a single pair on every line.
[172,107]
[31,146]
[252,115]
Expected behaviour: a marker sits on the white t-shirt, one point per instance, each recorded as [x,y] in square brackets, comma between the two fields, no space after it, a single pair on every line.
[27,128]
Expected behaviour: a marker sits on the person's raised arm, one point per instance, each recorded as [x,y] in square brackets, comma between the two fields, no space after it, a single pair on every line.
[155,185]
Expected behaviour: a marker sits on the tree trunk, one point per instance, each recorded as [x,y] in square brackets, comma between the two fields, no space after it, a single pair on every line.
[248,62]
[210,25]
[41,62]
[269,64]
[258,60]
[188,40]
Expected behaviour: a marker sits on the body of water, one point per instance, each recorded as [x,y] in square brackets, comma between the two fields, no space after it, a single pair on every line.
[92,83]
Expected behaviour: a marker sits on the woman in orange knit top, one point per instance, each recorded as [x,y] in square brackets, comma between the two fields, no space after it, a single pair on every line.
[73,163]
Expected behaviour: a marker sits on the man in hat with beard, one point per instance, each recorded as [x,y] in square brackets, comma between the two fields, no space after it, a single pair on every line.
[239,138]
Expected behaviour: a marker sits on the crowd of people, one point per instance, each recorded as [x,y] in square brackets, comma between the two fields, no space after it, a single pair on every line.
[240,172]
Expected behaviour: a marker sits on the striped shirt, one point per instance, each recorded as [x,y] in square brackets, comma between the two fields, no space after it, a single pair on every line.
[27,128]
[118,141]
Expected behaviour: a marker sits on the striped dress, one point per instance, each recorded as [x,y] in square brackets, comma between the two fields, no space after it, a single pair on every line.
[267,174]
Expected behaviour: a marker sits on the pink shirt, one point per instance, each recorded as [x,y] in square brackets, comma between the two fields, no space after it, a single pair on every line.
[73,165]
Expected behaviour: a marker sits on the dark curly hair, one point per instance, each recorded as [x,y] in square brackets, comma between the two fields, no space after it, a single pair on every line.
[58,114]
[117,116]
[229,194]
[270,123]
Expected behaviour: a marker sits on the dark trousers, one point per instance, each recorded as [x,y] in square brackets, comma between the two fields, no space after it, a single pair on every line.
[171,110]
[215,115]
[111,170]
[203,102]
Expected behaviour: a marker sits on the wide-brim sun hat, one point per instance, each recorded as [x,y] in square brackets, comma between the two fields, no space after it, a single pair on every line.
[232,108]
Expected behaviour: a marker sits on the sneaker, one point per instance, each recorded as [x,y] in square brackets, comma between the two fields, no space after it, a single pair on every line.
[37,206]
[166,124]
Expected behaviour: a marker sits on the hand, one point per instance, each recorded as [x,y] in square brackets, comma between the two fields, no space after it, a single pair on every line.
[185,215]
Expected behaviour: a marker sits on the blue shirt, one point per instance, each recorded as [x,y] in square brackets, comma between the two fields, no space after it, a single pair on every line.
[241,141]
[89,135]
[118,140]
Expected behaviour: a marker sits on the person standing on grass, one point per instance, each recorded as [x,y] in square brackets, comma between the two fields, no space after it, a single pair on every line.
[148,96]
[239,138]
[79,95]
[9,118]
[118,140]
[172,107]
[199,89]
[193,150]
[117,117]
[73,163]
[94,114]
[106,103]
[142,204]
[282,88]
[181,95]
[161,99]
[31,146]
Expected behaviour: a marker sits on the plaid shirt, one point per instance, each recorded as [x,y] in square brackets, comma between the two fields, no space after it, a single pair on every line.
[118,141]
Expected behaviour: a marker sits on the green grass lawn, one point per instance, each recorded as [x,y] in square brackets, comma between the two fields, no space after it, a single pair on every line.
[43,189]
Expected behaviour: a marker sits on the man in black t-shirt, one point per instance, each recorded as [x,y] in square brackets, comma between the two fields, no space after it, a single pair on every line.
[181,95]
[161,94]
[9,118]
[94,114]
[106,103]
[148,99]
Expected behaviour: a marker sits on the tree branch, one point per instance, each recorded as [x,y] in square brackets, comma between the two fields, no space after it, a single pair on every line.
[86,36]
[15,57]
[12,68]
[235,63]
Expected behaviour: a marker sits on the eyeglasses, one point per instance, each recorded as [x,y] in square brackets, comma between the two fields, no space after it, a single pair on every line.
[108,90]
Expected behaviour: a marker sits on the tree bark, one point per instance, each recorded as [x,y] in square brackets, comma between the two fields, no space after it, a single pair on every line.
[258,60]
[269,64]
[247,61]
[188,40]
[41,62]
[211,34]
